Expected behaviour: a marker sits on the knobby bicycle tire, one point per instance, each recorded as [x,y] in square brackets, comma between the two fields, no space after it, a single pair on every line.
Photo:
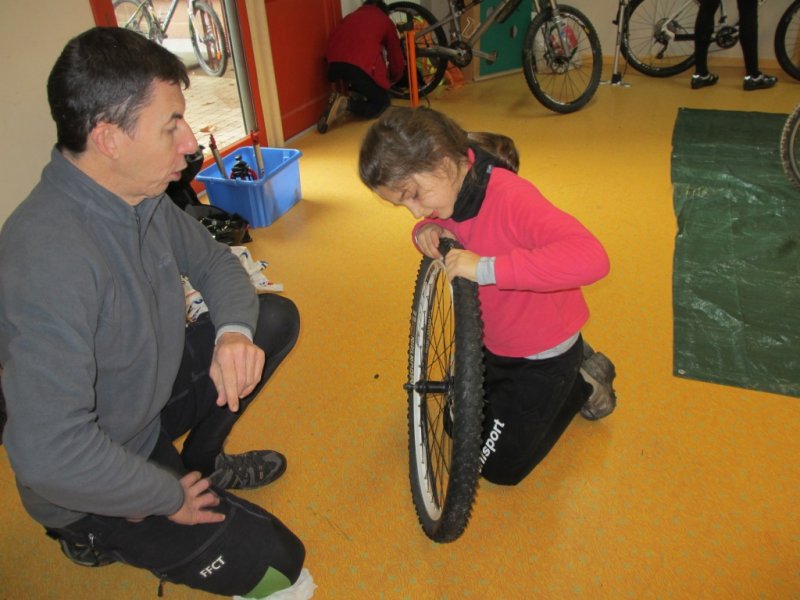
[210,45]
[445,399]
[790,150]
[650,50]
[787,40]
[133,16]
[562,81]
[408,16]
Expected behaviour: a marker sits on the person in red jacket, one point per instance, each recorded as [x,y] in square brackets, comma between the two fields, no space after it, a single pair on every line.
[364,53]
[530,260]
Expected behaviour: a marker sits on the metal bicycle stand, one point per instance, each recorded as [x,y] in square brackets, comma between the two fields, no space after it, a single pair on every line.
[616,76]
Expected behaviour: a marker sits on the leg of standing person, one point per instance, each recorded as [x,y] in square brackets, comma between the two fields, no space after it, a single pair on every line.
[529,404]
[703,28]
[748,37]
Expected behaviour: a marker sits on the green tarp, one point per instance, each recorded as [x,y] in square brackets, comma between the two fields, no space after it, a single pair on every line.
[736,273]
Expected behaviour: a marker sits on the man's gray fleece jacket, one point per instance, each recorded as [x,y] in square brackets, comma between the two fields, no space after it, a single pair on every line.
[92,323]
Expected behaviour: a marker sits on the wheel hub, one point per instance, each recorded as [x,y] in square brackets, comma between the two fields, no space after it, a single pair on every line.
[464,56]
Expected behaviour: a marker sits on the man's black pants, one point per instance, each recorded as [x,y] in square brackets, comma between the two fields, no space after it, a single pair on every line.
[227,558]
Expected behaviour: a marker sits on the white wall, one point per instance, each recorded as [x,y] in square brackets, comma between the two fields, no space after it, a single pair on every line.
[30,42]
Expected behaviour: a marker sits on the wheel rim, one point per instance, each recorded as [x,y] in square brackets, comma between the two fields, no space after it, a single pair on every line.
[563,65]
[206,38]
[131,17]
[794,154]
[657,38]
[432,389]
[428,67]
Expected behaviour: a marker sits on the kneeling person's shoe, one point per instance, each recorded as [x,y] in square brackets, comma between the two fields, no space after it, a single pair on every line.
[599,372]
[83,554]
[248,470]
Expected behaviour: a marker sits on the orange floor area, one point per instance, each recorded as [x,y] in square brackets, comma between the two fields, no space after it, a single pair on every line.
[689,490]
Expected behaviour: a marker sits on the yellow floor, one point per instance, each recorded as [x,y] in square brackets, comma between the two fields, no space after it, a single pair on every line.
[689,490]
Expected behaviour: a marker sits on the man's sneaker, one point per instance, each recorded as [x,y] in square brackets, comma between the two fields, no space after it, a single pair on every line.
[701,81]
[83,554]
[759,82]
[248,470]
[599,372]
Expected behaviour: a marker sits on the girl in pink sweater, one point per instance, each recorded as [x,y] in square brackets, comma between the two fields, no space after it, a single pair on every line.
[529,259]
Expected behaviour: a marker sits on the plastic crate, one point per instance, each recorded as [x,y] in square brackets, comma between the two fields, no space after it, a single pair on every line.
[262,200]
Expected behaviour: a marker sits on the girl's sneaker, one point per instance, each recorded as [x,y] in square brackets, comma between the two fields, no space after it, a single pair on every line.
[758,82]
[701,81]
[599,372]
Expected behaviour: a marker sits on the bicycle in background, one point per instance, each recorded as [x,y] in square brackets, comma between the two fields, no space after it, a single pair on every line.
[561,56]
[205,29]
[657,36]
[790,152]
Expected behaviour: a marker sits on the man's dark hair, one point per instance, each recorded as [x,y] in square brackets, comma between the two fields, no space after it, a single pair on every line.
[105,75]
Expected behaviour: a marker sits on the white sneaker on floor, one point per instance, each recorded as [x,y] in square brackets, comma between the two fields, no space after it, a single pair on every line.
[302,589]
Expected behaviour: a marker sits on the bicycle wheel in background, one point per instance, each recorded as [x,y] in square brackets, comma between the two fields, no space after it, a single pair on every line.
[445,399]
[787,40]
[208,40]
[658,36]
[135,16]
[790,147]
[408,16]
[562,60]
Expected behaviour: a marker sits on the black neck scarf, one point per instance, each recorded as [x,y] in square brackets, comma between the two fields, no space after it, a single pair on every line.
[470,196]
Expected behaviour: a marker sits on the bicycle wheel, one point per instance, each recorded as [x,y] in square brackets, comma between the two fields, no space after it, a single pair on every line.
[445,399]
[658,36]
[134,15]
[431,68]
[787,40]
[790,147]
[208,40]
[562,60]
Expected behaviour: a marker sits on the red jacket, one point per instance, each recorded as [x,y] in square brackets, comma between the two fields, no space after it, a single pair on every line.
[543,257]
[367,38]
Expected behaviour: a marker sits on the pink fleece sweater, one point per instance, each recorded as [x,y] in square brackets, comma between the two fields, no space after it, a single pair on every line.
[543,257]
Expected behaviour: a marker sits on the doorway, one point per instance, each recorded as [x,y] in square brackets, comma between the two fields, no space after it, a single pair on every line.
[221,106]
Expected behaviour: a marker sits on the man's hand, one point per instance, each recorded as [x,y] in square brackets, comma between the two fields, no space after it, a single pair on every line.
[462,263]
[235,368]
[197,500]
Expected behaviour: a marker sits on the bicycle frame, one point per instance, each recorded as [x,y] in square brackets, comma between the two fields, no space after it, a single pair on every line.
[161,25]
[457,37]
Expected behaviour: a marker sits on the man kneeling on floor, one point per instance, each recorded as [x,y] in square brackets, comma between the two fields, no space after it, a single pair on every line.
[100,371]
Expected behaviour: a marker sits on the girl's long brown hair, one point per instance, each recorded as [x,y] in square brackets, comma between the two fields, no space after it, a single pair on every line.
[407,141]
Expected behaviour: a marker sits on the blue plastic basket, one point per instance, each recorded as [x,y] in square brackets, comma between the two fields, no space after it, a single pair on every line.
[262,200]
